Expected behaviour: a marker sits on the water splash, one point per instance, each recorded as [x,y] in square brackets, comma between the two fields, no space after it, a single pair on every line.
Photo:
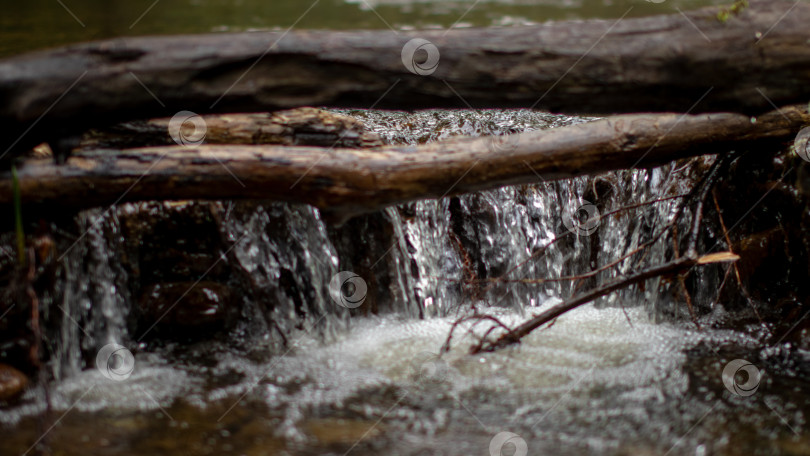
[604,379]
[502,248]
[95,300]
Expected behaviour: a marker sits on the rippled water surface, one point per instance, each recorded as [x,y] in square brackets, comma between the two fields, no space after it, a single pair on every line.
[43,23]
[593,383]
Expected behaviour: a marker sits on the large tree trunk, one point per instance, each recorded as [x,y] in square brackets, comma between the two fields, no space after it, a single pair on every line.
[343,182]
[682,63]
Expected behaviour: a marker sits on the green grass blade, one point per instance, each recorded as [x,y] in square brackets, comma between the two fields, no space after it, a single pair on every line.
[18,223]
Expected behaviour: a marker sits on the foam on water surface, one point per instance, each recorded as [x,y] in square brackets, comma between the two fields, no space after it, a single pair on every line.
[296,373]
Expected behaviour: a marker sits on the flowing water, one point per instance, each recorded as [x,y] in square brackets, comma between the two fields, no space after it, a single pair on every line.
[296,373]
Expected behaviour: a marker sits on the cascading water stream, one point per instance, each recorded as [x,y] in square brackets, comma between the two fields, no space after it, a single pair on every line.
[287,369]
[95,300]
[442,256]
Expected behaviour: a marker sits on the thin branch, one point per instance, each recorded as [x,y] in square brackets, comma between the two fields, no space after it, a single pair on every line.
[743,288]
[513,336]
[678,266]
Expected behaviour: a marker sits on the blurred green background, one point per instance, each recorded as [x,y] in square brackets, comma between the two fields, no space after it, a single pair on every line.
[33,24]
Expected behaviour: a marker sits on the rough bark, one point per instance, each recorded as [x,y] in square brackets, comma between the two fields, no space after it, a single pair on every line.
[676,63]
[294,127]
[343,182]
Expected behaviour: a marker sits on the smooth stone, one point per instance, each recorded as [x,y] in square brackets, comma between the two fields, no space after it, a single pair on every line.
[12,383]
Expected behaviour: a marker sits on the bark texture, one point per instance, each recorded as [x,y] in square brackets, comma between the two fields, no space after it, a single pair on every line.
[293,127]
[675,63]
[344,182]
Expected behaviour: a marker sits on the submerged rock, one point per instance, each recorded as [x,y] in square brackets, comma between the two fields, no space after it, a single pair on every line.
[12,383]
[186,305]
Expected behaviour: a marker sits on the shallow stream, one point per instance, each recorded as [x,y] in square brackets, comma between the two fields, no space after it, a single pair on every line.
[297,374]
[628,375]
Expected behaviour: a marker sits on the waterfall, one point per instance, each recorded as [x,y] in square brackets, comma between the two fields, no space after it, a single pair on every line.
[501,248]
[95,299]
[236,312]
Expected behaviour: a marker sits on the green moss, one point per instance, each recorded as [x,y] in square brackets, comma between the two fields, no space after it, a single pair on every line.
[736,8]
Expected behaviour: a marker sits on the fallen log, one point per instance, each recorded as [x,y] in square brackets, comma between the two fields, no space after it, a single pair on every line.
[344,182]
[691,62]
[293,127]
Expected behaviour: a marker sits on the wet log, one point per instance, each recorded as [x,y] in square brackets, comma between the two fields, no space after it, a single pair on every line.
[344,182]
[692,62]
[293,127]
